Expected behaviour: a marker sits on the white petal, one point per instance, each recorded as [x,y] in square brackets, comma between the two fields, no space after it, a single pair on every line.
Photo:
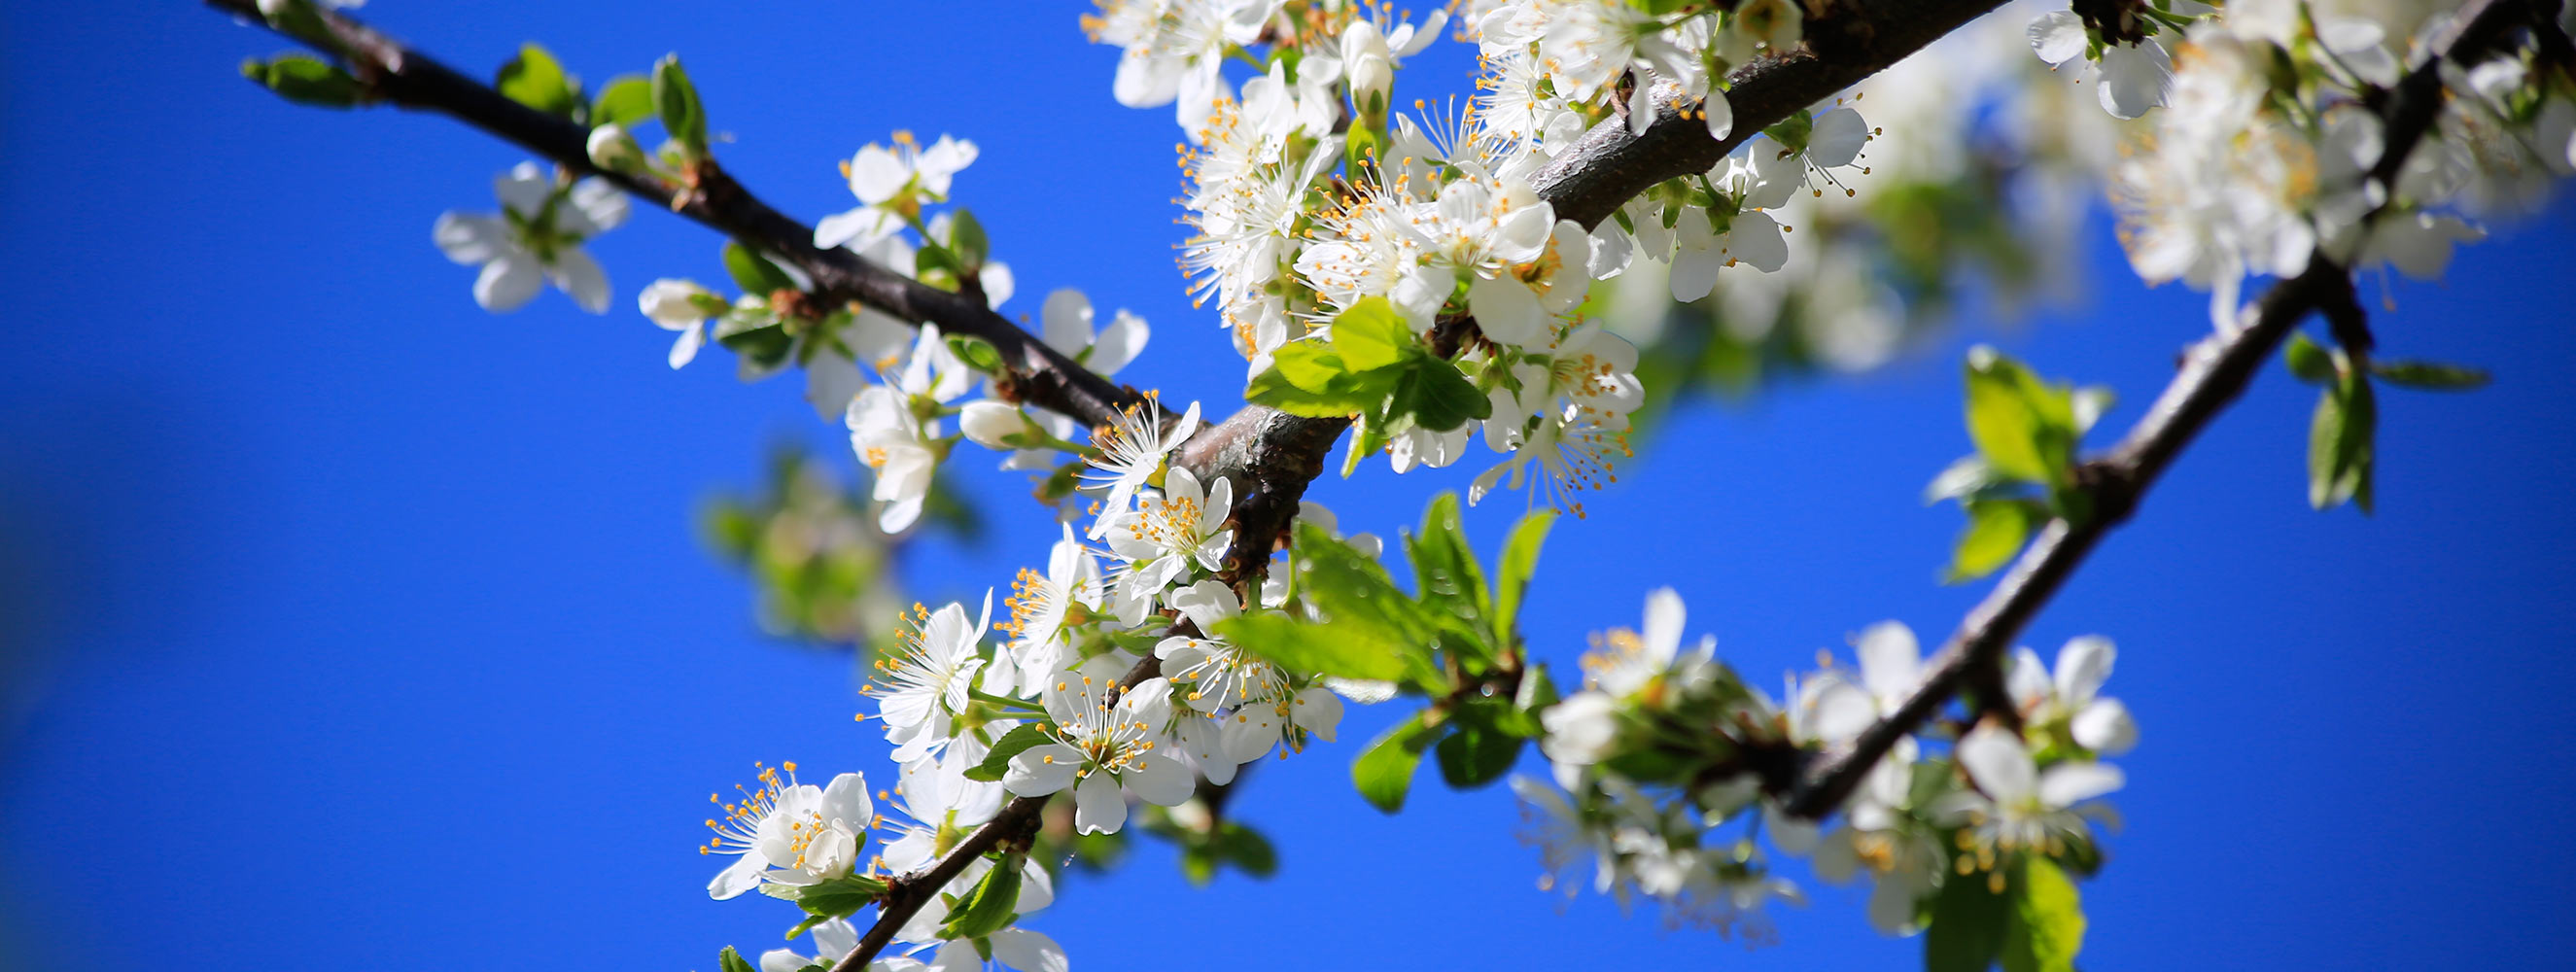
[1028,951]
[876,174]
[506,284]
[1118,344]
[1158,779]
[1837,138]
[2067,784]
[1889,657]
[471,238]
[1505,310]
[1998,763]
[1041,770]
[2105,727]
[2057,37]
[1664,616]
[1065,321]
[1099,806]
[580,276]
[1721,114]
[2134,78]
[2082,666]
[524,189]
[743,876]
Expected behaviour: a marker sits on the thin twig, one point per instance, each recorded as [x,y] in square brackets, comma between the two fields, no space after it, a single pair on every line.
[395,73]
[2214,373]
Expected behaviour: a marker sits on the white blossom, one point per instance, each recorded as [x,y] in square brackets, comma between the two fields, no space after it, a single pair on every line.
[537,238]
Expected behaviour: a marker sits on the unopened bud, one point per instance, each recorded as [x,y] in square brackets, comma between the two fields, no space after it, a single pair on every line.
[992,424]
[612,150]
[1371,66]
[676,304]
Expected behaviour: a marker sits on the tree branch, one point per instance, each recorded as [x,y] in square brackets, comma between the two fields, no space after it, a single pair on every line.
[2214,373]
[405,77]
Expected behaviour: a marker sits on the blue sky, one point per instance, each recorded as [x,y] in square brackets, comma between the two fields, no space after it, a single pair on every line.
[343,623]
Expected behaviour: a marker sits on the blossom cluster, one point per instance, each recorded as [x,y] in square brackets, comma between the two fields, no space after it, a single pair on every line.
[1666,810]
[1050,699]
[2268,152]
[1310,198]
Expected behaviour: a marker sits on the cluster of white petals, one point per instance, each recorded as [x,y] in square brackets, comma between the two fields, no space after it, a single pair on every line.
[1659,818]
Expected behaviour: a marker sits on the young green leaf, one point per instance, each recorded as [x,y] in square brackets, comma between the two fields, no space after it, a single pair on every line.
[840,897]
[1384,771]
[997,761]
[1996,531]
[2430,375]
[626,100]
[2339,443]
[1313,384]
[2024,428]
[1969,923]
[676,100]
[305,80]
[534,79]
[1512,571]
[1475,752]
[2048,920]
[732,961]
[1445,571]
[989,907]
[753,272]
[1346,650]
[966,239]
[1245,848]
[1371,335]
[1443,399]
[2308,361]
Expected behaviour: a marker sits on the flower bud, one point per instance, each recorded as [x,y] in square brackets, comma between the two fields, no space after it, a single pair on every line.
[612,149]
[1371,67]
[992,424]
[675,304]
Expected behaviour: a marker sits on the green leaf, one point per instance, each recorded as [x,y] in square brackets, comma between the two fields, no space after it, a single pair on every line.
[626,100]
[841,896]
[967,241]
[2024,428]
[1384,771]
[976,352]
[1443,399]
[2048,920]
[1335,395]
[1245,848]
[1370,335]
[998,761]
[1362,603]
[731,961]
[1346,651]
[759,338]
[1198,864]
[305,80]
[1445,571]
[1996,531]
[676,100]
[1512,571]
[990,906]
[1475,753]
[1308,365]
[1537,691]
[753,272]
[1968,927]
[534,79]
[2308,361]
[2430,375]
[2339,443]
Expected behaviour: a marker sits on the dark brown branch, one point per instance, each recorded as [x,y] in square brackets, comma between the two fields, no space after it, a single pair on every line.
[394,73]
[2214,373]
